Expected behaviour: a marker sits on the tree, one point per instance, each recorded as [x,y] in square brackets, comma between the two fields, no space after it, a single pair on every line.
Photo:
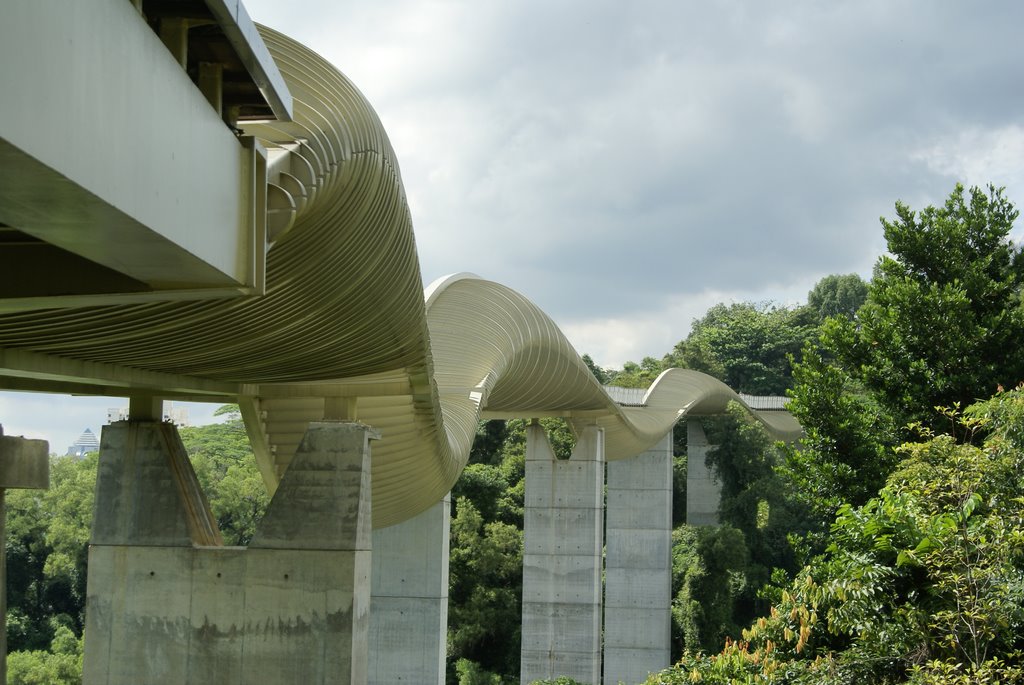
[709,576]
[940,327]
[846,452]
[47,553]
[471,673]
[62,665]
[485,594]
[755,503]
[838,295]
[600,374]
[635,375]
[943,320]
[747,346]
[490,436]
[930,572]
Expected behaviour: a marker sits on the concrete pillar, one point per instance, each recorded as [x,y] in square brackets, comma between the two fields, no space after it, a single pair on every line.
[167,604]
[24,463]
[638,566]
[562,545]
[409,602]
[703,491]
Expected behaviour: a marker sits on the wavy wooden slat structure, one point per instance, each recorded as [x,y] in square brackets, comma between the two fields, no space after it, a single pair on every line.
[344,325]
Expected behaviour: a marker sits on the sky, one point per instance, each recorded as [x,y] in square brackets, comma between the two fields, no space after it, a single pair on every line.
[628,165]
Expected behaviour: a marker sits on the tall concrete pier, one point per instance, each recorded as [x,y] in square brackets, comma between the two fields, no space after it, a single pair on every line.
[638,565]
[562,546]
[703,491]
[168,604]
[409,603]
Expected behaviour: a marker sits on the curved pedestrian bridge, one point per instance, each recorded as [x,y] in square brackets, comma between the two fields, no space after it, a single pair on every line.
[225,221]
[342,321]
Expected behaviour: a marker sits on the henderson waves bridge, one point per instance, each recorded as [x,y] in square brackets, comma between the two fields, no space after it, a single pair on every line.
[194,208]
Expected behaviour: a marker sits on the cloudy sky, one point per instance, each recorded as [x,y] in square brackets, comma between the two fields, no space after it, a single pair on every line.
[628,165]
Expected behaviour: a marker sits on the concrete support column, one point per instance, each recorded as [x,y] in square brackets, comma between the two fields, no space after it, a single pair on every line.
[24,463]
[703,491]
[409,603]
[166,603]
[562,545]
[638,566]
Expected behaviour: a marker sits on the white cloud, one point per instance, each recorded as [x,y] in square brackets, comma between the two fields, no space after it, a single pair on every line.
[977,156]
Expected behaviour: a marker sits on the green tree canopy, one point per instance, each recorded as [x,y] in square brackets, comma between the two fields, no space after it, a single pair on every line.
[635,375]
[845,454]
[943,321]
[485,592]
[745,345]
[940,328]
[920,585]
[838,295]
[600,374]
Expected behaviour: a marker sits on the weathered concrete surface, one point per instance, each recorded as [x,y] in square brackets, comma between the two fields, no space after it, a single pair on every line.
[562,549]
[146,490]
[703,491]
[324,500]
[638,566]
[24,463]
[409,600]
[281,611]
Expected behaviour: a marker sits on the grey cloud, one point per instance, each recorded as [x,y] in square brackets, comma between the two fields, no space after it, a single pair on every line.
[599,154]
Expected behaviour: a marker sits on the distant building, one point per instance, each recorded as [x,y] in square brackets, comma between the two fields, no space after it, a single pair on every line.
[86,443]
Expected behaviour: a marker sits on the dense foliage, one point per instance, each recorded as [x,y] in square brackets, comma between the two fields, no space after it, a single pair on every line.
[227,472]
[748,347]
[914,553]
[838,295]
[940,328]
[922,584]
[943,312]
[47,551]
